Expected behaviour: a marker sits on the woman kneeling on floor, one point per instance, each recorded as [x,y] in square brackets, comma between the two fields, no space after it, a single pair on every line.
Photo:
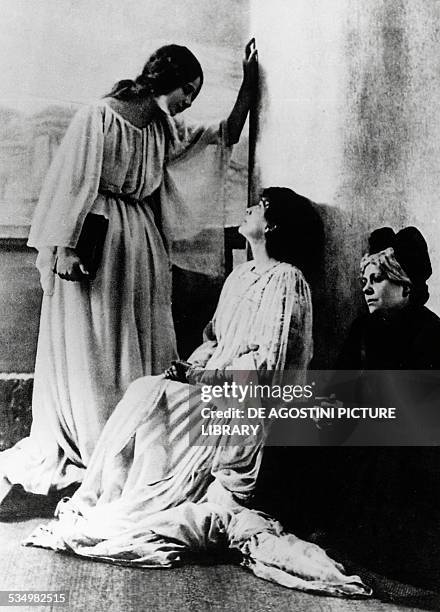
[149,497]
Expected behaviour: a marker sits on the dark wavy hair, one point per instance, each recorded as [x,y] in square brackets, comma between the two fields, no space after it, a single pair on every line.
[295,231]
[169,68]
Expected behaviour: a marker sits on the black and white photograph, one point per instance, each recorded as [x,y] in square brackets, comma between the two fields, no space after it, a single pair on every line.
[220,300]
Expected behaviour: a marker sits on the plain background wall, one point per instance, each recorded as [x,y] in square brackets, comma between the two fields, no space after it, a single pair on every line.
[74,50]
[351,119]
[57,54]
[350,115]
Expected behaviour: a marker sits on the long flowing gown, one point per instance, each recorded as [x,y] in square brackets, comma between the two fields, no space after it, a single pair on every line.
[150,497]
[96,337]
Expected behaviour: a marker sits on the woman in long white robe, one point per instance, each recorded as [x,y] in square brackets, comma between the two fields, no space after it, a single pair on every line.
[97,336]
[156,490]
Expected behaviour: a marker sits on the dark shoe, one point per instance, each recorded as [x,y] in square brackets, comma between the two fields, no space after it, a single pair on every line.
[19,505]
[56,495]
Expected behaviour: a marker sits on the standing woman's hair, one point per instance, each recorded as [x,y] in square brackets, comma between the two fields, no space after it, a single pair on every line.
[295,232]
[169,68]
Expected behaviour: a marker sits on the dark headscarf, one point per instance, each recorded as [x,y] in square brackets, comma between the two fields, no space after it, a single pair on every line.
[403,257]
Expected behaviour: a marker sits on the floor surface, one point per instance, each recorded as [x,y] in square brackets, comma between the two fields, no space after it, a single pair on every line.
[102,587]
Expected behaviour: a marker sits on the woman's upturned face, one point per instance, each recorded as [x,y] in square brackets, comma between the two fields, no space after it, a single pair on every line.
[255,224]
[379,292]
[181,98]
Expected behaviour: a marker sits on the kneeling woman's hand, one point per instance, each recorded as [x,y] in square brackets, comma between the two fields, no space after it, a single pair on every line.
[177,371]
[68,265]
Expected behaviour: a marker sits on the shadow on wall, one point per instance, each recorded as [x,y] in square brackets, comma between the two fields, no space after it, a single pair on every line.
[15,409]
[195,298]
[337,299]
[333,276]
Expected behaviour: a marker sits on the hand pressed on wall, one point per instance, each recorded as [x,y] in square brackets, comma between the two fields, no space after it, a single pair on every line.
[250,64]
[246,94]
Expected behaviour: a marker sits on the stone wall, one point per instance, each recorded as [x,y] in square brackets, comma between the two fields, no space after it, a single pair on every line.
[15,408]
[20,299]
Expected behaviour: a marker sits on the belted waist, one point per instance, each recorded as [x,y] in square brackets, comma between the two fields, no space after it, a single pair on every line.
[125,197]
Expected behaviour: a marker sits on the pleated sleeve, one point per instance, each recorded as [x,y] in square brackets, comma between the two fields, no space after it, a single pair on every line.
[279,334]
[193,198]
[72,183]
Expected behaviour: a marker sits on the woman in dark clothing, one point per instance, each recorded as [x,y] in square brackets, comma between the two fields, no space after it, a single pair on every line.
[385,500]
[377,506]
[399,332]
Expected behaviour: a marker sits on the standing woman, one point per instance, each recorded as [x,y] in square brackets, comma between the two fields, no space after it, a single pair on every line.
[98,334]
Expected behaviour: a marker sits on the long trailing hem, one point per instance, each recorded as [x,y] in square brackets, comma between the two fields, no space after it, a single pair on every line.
[132,508]
[150,498]
[170,537]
